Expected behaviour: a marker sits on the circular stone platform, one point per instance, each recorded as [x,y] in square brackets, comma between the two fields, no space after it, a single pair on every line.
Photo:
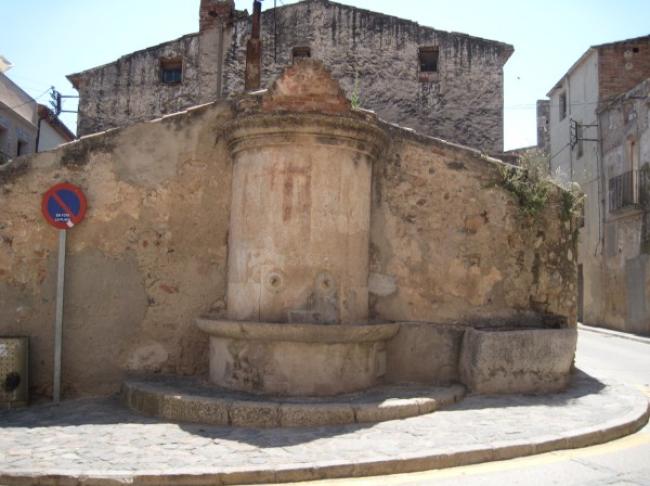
[99,442]
[188,400]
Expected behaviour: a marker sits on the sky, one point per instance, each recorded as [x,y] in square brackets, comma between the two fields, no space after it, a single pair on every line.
[47,39]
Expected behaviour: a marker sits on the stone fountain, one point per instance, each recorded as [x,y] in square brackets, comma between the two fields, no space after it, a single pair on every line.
[296,346]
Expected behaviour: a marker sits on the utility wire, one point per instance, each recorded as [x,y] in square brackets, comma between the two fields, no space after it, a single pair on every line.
[31,101]
[559,151]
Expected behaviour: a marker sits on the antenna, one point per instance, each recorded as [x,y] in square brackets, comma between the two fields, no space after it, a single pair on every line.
[56,101]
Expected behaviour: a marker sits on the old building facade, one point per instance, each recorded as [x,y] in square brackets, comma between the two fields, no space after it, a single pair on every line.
[448,85]
[578,147]
[26,126]
[623,285]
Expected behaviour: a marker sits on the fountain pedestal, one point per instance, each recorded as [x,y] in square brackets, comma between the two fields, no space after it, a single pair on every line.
[296,359]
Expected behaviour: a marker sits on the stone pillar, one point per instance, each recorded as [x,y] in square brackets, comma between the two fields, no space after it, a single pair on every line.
[300,217]
[253,76]
[215,26]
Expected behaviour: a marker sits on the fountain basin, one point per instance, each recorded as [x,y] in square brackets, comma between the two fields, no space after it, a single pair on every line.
[296,359]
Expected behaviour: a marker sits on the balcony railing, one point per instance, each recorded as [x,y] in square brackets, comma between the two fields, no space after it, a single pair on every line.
[628,190]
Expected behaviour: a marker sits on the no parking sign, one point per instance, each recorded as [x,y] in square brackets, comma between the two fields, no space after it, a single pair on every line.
[64,205]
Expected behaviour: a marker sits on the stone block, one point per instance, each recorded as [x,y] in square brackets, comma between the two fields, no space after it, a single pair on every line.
[424,353]
[517,361]
[255,414]
[315,415]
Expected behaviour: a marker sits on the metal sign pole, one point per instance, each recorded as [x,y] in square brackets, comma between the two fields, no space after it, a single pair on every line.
[58,323]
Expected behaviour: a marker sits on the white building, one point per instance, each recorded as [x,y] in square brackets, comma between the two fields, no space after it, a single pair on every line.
[25,126]
[599,76]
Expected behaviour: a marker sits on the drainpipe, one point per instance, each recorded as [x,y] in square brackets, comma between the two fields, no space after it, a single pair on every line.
[252,80]
[38,133]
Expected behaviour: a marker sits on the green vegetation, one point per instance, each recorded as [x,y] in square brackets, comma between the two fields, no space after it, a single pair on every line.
[529,183]
[532,185]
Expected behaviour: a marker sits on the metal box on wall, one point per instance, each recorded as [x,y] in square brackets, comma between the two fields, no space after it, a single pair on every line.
[14,371]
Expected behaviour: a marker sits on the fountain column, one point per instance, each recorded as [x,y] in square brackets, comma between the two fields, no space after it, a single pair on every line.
[300,218]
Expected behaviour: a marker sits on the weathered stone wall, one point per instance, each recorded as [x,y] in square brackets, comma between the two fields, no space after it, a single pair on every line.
[462,102]
[129,90]
[449,244]
[618,292]
[374,56]
[149,258]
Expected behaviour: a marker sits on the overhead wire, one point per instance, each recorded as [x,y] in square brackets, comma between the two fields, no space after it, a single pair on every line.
[31,100]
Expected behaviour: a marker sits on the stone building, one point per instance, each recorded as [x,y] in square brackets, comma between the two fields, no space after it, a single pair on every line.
[448,85]
[603,73]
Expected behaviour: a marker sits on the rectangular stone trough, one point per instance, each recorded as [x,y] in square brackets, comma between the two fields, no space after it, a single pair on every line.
[517,361]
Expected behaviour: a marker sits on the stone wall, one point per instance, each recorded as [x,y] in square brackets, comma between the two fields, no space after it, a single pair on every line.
[448,244]
[148,259]
[374,56]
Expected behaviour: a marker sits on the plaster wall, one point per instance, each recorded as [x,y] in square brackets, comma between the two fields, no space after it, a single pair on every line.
[622,278]
[49,137]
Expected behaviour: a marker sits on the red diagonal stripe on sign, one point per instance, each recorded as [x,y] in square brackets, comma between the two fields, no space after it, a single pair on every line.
[64,206]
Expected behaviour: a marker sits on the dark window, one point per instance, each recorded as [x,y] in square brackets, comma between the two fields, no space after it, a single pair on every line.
[21,148]
[171,71]
[635,50]
[4,151]
[428,59]
[301,52]
[562,106]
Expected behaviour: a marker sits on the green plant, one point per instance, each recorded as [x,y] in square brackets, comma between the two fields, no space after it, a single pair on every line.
[529,183]
[572,200]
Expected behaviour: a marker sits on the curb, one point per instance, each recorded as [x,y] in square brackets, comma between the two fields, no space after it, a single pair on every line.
[612,333]
[415,462]
[168,402]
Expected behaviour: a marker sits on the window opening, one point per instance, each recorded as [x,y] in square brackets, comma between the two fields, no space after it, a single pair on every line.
[428,57]
[171,71]
[301,52]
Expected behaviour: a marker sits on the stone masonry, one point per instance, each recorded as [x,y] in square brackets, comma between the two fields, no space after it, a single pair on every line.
[457,96]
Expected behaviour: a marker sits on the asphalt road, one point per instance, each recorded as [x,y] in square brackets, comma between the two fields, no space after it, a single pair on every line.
[624,462]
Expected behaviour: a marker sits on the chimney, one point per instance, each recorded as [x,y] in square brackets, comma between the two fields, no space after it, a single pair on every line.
[254,52]
[213,11]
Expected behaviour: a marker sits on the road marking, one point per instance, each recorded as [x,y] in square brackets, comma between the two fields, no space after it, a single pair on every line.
[636,440]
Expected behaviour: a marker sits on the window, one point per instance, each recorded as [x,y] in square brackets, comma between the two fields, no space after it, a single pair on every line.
[171,71]
[428,57]
[301,52]
[4,151]
[562,106]
[21,148]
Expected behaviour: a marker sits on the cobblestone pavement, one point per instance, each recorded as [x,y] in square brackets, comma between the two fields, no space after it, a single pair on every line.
[98,441]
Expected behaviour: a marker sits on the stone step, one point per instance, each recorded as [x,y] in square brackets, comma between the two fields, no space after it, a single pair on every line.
[183,399]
